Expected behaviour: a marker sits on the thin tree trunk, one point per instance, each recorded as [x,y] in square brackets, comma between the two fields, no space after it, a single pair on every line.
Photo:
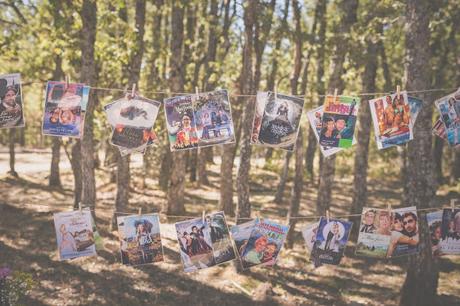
[420,285]
[12,140]
[246,87]
[75,162]
[326,181]
[175,192]
[438,148]
[122,196]
[193,165]
[283,179]
[226,181]
[88,76]
[359,197]
[455,168]
[202,176]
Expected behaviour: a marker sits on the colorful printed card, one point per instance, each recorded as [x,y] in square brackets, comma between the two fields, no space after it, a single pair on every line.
[391,116]
[241,234]
[315,117]
[140,239]
[264,244]
[404,232]
[65,107]
[309,235]
[330,242]
[339,121]
[449,108]
[451,231]
[199,120]
[74,234]
[204,243]
[439,129]
[11,107]
[374,233]
[276,120]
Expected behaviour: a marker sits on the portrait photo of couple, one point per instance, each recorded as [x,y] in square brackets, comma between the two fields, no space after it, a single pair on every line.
[11,109]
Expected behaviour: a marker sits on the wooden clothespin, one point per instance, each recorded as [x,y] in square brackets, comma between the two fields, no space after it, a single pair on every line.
[197,92]
[257,216]
[140,211]
[275,91]
[398,90]
[335,95]
[452,204]
[133,91]
[327,216]
[202,216]
[67,81]
[79,206]
[389,208]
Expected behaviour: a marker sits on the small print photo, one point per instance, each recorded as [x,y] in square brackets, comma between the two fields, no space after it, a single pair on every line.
[11,107]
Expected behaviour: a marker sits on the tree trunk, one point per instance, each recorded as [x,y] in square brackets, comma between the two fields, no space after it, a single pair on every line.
[438,148]
[320,15]
[175,192]
[283,179]
[75,162]
[246,87]
[12,140]
[359,197]
[88,76]
[193,165]
[122,196]
[226,181]
[455,168]
[55,178]
[326,181]
[202,176]
[421,282]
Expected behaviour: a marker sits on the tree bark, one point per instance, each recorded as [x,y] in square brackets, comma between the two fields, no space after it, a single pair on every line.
[420,285]
[12,140]
[246,86]
[175,192]
[320,15]
[75,162]
[226,181]
[359,197]
[438,148]
[283,179]
[122,196]
[88,76]
[326,181]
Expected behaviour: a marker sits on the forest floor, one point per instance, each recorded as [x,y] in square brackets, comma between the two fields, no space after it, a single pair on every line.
[28,244]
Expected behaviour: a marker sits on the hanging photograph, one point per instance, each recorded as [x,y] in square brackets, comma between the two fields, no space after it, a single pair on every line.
[449,108]
[374,233]
[404,232]
[450,231]
[439,129]
[180,122]
[277,120]
[264,244]
[309,235]
[74,234]
[133,122]
[330,242]
[214,123]
[241,234]
[65,107]
[140,239]
[11,107]
[315,117]
[221,242]
[391,116]
[339,121]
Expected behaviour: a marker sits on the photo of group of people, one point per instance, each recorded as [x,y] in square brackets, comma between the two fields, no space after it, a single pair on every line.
[391,116]
[339,121]
[132,119]
[74,234]
[388,233]
[276,120]
[315,117]
[449,108]
[140,239]
[204,242]
[330,241]
[65,107]
[199,120]
[11,109]
[263,245]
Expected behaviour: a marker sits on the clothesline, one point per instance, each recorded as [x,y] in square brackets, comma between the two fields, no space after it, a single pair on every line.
[248,95]
[257,212]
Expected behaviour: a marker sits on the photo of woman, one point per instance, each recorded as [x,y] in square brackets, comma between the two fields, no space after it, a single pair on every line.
[11,112]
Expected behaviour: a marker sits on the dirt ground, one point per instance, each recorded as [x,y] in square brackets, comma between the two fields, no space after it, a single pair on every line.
[28,243]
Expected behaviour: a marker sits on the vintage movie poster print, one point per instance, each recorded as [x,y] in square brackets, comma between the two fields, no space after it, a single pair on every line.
[374,233]
[134,122]
[415,106]
[404,232]
[279,124]
[449,108]
[213,114]
[112,111]
[241,234]
[74,234]
[391,116]
[140,239]
[439,129]
[11,107]
[264,244]
[451,231]
[315,117]
[309,235]
[65,107]
[181,123]
[330,242]
[339,121]
[438,244]
[221,242]
[195,244]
